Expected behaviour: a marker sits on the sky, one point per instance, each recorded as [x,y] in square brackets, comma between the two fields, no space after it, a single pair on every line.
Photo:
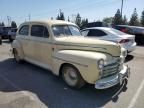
[22,10]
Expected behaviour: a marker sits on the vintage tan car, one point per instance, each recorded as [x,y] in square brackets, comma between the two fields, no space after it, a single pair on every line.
[58,46]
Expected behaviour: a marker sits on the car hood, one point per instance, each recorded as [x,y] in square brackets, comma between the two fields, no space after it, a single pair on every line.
[88,44]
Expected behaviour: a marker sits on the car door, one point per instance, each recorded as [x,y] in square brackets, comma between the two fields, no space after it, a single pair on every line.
[41,44]
[24,38]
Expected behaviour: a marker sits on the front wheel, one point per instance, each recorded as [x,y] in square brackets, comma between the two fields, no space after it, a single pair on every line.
[72,76]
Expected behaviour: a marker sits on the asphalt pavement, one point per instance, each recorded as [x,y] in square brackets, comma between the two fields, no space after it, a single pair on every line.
[54,93]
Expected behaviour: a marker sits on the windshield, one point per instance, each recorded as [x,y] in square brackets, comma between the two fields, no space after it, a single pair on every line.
[65,30]
[117,32]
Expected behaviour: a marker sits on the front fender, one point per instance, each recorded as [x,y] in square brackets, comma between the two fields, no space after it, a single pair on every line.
[84,61]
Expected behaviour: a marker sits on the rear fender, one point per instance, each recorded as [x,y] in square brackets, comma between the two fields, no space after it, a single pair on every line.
[16,45]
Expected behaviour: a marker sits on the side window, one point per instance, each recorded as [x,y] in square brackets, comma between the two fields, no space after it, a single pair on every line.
[24,30]
[96,33]
[39,31]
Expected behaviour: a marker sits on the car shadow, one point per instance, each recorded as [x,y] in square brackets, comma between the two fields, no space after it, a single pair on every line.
[129,58]
[52,90]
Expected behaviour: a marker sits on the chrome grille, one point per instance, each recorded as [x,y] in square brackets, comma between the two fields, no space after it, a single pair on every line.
[111,69]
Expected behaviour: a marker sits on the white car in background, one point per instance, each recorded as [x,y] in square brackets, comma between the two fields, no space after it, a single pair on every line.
[125,40]
[0,39]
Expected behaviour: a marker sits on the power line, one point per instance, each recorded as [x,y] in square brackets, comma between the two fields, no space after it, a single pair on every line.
[98,3]
[29,16]
[9,20]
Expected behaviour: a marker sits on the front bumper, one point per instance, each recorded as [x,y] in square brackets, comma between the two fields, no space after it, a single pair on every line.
[113,80]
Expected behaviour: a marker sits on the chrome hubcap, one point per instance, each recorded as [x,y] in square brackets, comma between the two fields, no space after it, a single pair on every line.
[70,76]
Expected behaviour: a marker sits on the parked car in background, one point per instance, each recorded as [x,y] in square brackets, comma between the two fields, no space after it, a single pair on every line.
[0,39]
[134,30]
[59,46]
[5,32]
[12,34]
[125,40]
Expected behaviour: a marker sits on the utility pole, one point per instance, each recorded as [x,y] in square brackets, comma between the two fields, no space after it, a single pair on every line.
[121,8]
[9,20]
[29,17]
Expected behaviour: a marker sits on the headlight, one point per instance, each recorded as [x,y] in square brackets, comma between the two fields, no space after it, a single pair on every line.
[101,64]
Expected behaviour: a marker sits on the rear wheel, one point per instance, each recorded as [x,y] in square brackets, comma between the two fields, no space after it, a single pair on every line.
[16,56]
[72,76]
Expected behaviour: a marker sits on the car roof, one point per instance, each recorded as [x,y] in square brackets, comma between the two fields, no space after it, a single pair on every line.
[49,22]
[130,26]
[100,28]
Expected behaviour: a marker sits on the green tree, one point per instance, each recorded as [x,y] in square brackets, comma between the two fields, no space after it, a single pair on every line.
[60,16]
[2,24]
[86,20]
[124,20]
[78,20]
[83,23]
[134,19]
[68,19]
[117,18]
[108,19]
[13,24]
[142,18]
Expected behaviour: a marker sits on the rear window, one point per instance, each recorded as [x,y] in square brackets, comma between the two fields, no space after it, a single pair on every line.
[96,33]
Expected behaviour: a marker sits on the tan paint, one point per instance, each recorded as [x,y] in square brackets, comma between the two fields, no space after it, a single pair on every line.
[51,53]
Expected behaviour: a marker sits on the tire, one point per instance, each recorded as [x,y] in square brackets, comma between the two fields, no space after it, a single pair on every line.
[0,41]
[72,77]
[16,56]
[10,40]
